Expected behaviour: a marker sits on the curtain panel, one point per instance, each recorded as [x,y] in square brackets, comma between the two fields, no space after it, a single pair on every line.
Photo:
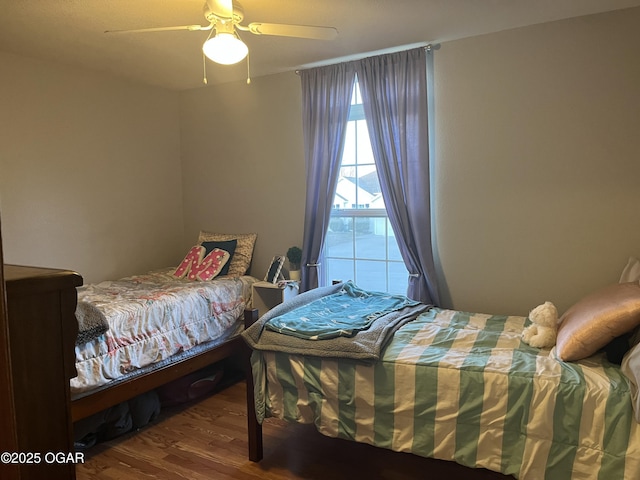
[326,95]
[394,96]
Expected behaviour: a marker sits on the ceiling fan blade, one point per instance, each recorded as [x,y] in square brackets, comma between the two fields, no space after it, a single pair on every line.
[299,31]
[191,28]
[221,8]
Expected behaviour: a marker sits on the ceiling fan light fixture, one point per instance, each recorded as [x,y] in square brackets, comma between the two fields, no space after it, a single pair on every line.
[225,48]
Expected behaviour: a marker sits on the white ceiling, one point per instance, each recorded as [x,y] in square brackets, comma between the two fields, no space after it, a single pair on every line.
[72,32]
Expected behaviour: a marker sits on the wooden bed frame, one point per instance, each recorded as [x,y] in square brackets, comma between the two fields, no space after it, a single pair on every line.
[254,429]
[96,402]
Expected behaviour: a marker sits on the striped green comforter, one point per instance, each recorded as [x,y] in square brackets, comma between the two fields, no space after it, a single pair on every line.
[463,387]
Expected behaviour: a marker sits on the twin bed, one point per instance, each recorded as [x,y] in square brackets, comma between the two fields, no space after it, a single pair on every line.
[156,322]
[141,332]
[445,384]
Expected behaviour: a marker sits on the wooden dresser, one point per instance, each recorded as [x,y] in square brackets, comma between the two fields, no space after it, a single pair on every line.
[41,306]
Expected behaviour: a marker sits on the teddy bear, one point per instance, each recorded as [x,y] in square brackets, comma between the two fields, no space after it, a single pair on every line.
[544,326]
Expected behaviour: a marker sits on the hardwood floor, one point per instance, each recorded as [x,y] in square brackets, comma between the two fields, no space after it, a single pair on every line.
[208,440]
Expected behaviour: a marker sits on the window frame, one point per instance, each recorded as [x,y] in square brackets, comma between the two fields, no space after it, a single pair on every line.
[356,113]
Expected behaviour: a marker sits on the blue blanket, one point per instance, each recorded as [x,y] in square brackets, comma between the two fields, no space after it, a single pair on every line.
[341,314]
[366,344]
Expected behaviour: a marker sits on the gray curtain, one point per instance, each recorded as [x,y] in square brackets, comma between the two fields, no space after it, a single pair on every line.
[394,95]
[326,95]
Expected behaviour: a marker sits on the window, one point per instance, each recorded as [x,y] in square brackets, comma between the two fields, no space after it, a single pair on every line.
[360,244]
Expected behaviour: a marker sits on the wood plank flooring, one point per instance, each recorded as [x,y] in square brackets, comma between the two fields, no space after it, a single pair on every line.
[208,440]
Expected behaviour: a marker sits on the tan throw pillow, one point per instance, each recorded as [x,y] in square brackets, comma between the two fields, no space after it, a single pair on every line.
[631,272]
[241,258]
[597,319]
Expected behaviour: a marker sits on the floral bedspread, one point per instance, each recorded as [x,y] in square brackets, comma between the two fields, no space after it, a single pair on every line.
[152,317]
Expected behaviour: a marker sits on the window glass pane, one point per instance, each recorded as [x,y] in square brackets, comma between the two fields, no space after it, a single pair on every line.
[369,194]
[349,150]
[346,195]
[370,238]
[364,151]
[338,269]
[371,275]
[339,238]
[398,278]
[358,247]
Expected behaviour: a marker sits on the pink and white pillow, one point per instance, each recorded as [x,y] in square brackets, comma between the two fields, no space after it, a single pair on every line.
[196,266]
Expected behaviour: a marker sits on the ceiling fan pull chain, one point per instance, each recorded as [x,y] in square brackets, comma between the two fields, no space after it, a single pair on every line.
[248,71]
[204,58]
[237,34]
[204,69]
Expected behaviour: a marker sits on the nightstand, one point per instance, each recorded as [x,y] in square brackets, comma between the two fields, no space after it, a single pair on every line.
[267,295]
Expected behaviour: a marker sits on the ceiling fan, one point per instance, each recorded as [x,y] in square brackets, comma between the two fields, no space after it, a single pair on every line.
[225,17]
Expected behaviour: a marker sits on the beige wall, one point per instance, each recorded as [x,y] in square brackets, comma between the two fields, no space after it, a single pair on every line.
[538,162]
[89,171]
[243,163]
[535,177]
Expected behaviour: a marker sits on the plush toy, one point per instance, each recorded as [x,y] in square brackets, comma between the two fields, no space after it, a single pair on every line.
[542,332]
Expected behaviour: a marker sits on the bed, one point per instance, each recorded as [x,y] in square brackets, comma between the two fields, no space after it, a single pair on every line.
[450,385]
[141,332]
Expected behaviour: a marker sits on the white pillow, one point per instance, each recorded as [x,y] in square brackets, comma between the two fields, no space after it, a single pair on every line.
[631,369]
[631,272]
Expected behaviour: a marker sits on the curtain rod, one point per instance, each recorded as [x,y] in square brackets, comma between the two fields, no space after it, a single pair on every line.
[429,48]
